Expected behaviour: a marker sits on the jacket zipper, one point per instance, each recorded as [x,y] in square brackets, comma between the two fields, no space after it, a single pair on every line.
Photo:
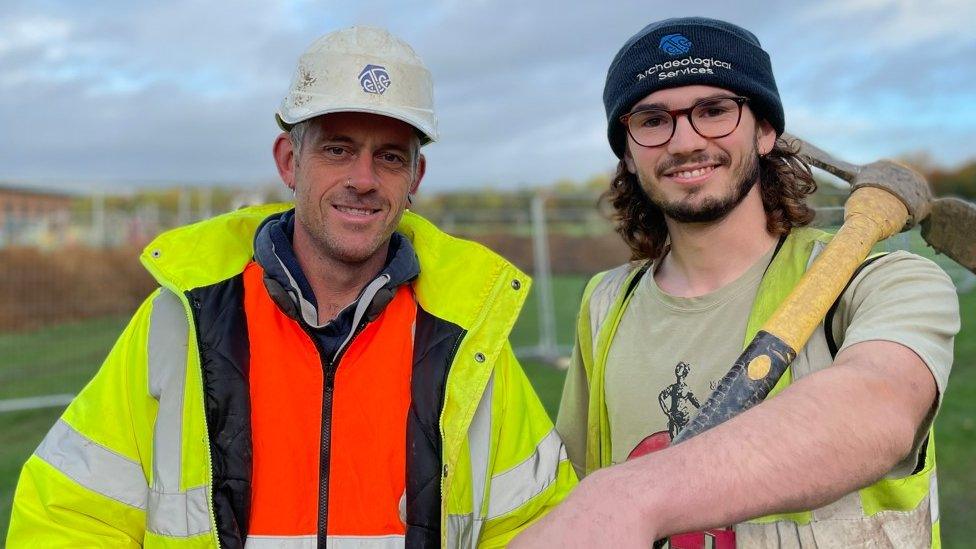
[325,445]
[329,368]
[325,448]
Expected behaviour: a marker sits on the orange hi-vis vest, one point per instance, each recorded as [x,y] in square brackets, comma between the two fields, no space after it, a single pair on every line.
[310,416]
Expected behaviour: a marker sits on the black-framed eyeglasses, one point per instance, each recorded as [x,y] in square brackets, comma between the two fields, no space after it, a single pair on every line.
[712,118]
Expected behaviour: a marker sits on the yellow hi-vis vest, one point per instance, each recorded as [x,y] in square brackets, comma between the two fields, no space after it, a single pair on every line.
[907,507]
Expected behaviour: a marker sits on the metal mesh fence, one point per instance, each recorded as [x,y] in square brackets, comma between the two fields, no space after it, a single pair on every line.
[72,276]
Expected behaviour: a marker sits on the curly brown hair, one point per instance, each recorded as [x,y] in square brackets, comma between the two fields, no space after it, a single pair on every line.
[785,181]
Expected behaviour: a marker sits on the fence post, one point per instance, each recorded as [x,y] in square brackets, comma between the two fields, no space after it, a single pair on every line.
[183,207]
[98,237]
[543,279]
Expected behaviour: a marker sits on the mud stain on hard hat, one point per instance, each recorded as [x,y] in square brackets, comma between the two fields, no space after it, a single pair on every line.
[305,81]
[305,78]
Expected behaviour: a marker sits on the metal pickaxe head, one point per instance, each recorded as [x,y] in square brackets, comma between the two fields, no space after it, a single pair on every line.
[948,224]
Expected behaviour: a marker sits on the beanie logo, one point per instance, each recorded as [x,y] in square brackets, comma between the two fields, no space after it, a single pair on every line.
[685,66]
[675,45]
[374,79]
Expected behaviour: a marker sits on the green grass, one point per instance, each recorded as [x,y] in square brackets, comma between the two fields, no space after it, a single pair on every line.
[61,359]
[566,291]
[955,436]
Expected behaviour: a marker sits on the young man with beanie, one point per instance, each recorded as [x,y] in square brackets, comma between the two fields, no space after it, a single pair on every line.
[333,374]
[712,205]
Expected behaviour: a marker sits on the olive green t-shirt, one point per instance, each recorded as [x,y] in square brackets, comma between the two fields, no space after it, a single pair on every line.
[686,346]
[669,352]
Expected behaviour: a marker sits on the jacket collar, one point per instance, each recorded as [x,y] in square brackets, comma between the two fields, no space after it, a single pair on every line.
[458,278]
[289,286]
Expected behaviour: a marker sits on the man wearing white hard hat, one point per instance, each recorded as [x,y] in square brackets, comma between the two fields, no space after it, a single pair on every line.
[337,372]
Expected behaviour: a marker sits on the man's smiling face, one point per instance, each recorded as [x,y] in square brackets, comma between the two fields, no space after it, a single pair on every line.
[351,179]
[694,179]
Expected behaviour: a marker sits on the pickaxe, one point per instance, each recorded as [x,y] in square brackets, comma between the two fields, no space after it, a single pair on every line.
[886,198]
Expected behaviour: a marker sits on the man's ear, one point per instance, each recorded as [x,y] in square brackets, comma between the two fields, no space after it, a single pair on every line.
[284,155]
[765,137]
[421,170]
[629,161]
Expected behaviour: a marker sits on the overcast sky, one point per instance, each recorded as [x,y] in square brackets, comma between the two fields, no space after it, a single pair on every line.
[114,94]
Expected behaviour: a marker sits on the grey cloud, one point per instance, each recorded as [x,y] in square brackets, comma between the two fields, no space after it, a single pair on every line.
[518,84]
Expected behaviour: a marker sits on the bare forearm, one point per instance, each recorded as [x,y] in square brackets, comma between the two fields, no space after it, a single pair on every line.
[827,435]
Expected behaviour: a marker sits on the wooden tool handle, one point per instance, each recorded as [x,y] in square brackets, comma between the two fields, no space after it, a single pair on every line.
[872,214]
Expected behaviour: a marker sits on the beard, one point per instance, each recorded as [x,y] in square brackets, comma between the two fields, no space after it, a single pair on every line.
[711,208]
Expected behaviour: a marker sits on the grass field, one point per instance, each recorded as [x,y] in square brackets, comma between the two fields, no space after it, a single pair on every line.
[61,359]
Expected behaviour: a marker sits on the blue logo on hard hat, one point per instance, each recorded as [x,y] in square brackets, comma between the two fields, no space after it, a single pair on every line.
[675,44]
[374,79]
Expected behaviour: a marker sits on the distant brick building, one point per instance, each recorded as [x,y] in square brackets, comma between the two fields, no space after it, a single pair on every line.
[32,216]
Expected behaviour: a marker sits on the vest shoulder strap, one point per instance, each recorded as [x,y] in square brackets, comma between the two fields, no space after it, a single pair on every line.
[833,347]
[609,288]
[829,318]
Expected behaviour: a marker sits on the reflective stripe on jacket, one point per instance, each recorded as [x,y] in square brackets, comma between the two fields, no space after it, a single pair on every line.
[155,450]
[904,509]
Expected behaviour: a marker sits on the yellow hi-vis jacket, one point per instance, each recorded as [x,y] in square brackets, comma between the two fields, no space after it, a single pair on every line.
[131,462]
[904,509]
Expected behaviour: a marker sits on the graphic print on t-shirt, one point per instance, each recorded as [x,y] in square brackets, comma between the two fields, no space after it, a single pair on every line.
[676,400]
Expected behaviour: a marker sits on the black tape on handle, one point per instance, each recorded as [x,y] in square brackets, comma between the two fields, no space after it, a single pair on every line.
[737,392]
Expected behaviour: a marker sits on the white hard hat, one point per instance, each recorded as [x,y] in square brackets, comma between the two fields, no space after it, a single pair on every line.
[361,69]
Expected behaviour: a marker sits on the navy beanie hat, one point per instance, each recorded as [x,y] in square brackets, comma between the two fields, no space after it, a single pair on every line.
[689,51]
